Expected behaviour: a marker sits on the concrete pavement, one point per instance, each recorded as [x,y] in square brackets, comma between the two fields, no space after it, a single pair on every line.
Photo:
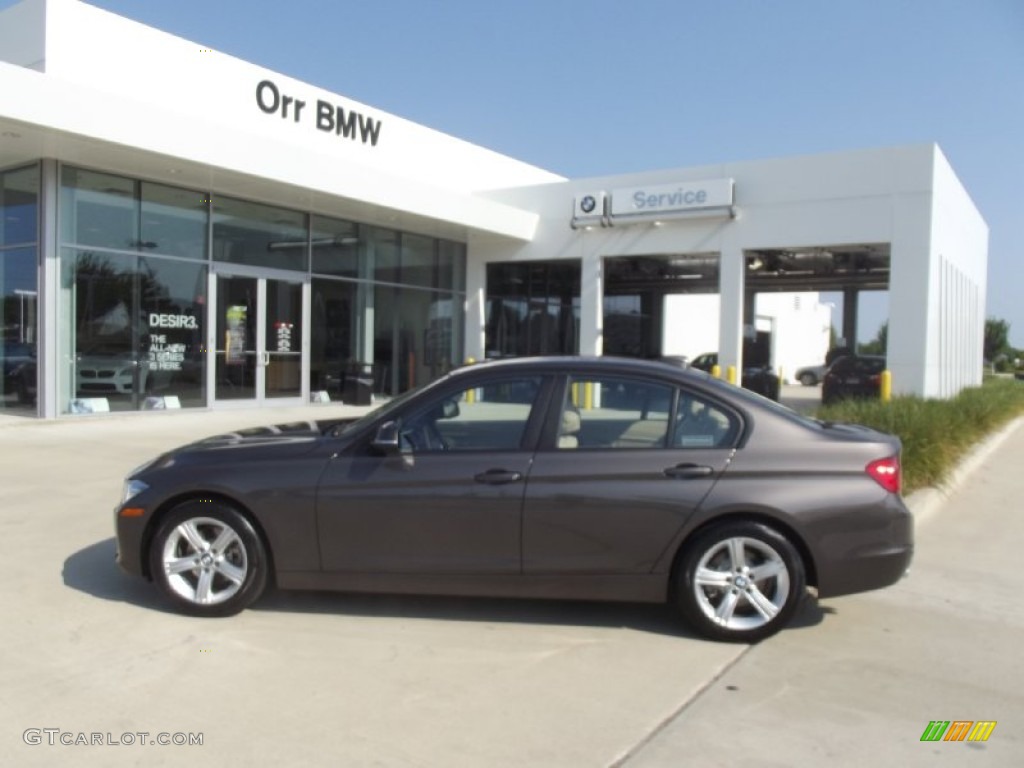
[311,679]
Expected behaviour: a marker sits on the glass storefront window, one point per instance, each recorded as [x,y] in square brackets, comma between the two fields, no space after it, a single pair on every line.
[19,307]
[19,313]
[419,261]
[173,221]
[451,266]
[98,209]
[19,202]
[533,308]
[337,321]
[382,253]
[135,331]
[336,247]
[259,235]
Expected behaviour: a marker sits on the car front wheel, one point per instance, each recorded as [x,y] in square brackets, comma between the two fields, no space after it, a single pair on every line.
[208,559]
[739,581]
[808,379]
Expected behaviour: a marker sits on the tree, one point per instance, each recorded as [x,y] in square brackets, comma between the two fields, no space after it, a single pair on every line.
[877,345]
[997,345]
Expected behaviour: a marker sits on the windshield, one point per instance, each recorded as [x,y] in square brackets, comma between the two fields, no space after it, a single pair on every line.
[380,412]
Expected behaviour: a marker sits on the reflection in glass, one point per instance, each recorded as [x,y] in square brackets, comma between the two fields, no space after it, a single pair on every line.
[19,204]
[136,331]
[19,313]
[98,209]
[259,235]
[533,308]
[284,339]
[236,338]
[336,247]
[173,221]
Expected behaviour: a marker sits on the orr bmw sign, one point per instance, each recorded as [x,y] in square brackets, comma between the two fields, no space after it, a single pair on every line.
[713,197]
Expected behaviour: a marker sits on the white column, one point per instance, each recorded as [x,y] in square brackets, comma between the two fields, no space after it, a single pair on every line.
[476,306]
[730,320]
[591,305]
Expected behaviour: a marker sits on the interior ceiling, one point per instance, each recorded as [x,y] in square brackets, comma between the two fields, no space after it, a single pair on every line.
[822,268]
[21,143]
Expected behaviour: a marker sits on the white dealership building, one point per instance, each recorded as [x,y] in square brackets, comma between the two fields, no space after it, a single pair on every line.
[180,228]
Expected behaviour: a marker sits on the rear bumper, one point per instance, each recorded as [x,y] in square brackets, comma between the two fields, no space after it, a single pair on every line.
[876,553]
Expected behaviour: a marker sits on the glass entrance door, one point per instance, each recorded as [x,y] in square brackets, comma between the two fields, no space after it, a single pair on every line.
[259,339]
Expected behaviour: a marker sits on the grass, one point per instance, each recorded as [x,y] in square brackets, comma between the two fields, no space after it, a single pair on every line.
[936,433]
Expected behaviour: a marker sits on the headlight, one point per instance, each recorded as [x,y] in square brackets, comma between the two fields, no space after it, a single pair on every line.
[132,488]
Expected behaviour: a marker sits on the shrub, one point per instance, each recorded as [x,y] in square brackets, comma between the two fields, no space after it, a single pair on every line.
[935,433]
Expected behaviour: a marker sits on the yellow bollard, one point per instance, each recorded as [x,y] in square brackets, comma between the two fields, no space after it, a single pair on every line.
[730,374]
[588,396]
[885,386]
[470,394]
[716,371]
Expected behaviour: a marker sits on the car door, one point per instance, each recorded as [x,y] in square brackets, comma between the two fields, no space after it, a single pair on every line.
[610,497]
[448,499]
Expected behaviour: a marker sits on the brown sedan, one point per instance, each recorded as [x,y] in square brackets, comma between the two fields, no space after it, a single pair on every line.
[592,478]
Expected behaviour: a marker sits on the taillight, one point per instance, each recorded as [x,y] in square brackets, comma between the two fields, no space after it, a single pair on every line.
[886,472]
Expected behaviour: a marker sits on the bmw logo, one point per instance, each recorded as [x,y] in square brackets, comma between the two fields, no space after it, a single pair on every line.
[588,204]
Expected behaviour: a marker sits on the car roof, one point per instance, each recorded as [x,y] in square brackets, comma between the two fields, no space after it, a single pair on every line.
[561,362]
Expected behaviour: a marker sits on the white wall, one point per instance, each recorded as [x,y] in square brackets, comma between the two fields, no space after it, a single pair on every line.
[801,330]
[883,196]
[690,324]
[110,53]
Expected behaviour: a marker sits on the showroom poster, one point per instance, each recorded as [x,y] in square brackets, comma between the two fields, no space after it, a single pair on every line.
[234,341]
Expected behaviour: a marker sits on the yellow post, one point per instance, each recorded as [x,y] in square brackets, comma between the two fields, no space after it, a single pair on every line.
[885,386]
[730,374]
[716,371]
[588,396]
[471,394]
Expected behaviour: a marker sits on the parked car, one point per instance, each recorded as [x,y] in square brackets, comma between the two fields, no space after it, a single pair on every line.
[757,378]
[614,480]
[810,375]
[111,370]
[853,376]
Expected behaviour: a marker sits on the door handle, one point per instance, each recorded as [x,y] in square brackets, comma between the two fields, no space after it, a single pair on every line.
[688,471]
[498,477]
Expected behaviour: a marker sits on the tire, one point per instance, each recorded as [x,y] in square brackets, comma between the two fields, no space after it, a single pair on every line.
[208,559]
[739,582]
[808,379]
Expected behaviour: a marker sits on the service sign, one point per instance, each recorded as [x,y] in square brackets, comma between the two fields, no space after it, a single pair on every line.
[669,198]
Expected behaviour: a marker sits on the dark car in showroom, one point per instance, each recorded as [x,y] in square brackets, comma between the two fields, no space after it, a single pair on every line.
[575,478]
[853,376]
[757,378]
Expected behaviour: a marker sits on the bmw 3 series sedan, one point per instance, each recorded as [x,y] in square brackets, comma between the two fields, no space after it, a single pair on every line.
[575,478]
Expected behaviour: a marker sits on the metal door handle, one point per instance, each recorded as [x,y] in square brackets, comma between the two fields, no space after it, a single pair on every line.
[688,471]
[498,477]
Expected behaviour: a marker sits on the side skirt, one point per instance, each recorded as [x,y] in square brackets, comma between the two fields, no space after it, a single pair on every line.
[645,588]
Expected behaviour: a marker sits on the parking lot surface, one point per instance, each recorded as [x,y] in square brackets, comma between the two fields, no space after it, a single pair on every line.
[320,679]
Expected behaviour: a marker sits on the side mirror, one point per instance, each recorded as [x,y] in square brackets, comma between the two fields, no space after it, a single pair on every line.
[450,409]
[386,440]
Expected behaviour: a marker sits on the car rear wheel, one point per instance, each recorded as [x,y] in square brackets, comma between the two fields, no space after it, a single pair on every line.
[808,379]
[208,559]
[739,581]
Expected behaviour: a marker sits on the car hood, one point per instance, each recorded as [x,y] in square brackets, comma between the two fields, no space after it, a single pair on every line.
[253,444]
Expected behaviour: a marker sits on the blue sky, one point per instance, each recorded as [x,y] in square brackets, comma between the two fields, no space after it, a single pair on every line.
[601,87]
